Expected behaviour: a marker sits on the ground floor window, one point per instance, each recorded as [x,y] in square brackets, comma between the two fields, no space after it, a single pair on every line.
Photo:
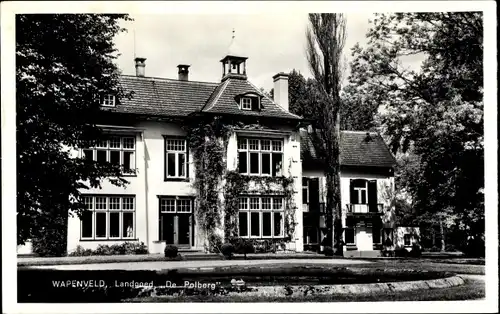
[350,235]
[108,217]
[388,234]
[407,239]
[261,217]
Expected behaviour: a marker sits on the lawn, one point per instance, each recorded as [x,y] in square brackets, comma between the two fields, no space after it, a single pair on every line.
[471,290]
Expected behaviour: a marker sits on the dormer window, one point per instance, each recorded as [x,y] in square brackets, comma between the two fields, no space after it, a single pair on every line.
[246,103]
[108,101]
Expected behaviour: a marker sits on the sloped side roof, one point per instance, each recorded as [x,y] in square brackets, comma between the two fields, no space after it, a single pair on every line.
[355,149]
[225,102]
[163,97]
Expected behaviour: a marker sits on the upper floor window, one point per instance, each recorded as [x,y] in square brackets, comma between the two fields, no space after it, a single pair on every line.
[260,156]
[175,158]
[117,150]
[108,217]
[246,103]
[108,101]
[360,190]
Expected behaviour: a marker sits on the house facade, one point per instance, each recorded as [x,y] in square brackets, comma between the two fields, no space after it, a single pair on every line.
[267,147]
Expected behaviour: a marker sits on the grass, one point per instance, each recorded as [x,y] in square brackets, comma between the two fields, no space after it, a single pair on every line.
[471,290]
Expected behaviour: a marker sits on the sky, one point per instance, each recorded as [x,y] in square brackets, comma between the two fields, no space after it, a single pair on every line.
[272,42]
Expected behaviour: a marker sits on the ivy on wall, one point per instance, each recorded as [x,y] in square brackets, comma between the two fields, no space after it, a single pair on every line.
[208,139]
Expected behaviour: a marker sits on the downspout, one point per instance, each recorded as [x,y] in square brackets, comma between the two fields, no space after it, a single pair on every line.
[146,186]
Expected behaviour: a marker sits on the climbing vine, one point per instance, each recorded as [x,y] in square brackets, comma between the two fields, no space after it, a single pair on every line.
[208,141]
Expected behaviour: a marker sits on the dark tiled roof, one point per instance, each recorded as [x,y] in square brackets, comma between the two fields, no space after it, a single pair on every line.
[355,149]
[163,97]
[167,97]
[223,101]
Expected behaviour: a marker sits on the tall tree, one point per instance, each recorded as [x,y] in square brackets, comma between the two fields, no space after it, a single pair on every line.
[434,110]
[326,37]
[64,64]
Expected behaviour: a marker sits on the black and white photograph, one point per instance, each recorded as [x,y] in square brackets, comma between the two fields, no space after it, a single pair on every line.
[249,157]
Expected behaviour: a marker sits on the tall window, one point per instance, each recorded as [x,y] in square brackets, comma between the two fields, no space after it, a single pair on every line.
[261,217]
[108,218]
[260,156]
[108,101]
[117,150]
[349,235]
[305,190]
[360,191]
[175,158]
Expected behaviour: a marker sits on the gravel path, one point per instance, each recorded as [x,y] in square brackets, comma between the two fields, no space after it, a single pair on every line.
[198,264]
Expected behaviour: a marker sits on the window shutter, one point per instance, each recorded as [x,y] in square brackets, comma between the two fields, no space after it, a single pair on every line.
[353,194]
[372,195]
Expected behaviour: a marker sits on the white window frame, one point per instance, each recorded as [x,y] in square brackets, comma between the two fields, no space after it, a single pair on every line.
[107,210]
[360,191]
[305,187]
[246,103]
[108,100]
[273,142]
[122,149]
[176,205]
[260,211]
[176,153]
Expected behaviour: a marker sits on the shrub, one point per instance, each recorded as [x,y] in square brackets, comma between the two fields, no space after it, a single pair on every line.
[227,249]
[103,250]
[328,251]
[434,249]
[51,241]
[214,243]
[118,249]
[450,248]
[401,252]
[140,248]
[80,251]
[416,250]
[244,246]
[171,251]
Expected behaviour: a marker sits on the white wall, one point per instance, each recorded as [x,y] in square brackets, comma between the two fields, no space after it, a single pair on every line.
[149,184]
[291,167]
[134,188]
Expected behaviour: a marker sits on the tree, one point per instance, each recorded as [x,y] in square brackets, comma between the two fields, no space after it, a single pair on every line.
[64,64]
[326,36]
[434,111]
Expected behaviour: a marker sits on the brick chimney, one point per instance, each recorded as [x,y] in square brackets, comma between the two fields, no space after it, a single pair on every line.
[140,66]
[183,72]
[281,90]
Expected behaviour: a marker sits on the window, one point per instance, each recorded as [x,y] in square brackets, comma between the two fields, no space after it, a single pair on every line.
[108,218]
[376,235]
[175,205]
[175,158]
[117,150]
[246,103]
[388,236]
[108,101]
[305,190]
[407,239]
[360,188]
[350,235]
[260,156]
[261,217]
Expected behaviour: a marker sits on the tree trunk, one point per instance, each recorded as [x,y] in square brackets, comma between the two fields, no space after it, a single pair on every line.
[441,232]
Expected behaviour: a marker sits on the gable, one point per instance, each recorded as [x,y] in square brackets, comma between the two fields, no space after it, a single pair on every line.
[225,101]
